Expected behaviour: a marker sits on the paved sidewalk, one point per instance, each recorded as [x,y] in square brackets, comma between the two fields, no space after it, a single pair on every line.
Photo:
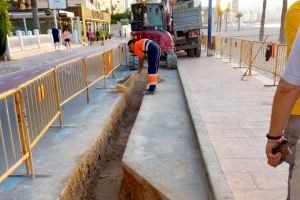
[236,114]
[49,58]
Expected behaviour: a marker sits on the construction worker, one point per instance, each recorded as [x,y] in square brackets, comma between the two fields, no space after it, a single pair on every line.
[142,48]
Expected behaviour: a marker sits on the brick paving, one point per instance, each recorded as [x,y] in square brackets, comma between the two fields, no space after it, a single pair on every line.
[237,114]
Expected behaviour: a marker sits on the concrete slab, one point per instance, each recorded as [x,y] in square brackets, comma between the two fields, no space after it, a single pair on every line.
[61,151]
[162,158]
[236,117]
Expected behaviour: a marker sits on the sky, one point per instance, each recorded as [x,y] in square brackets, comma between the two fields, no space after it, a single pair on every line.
[254,4]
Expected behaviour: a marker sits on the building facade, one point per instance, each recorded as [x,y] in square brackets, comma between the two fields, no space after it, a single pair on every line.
[89,14]
[235,6]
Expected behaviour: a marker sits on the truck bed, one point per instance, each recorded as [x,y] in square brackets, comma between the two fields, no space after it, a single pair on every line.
[186,19]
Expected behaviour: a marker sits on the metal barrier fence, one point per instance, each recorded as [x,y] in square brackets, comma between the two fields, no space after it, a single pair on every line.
[28,111]
[246,53]
[252,55]
[40,105]
[14,142]
[71,79]
[217,43]
[226,46]
[235,51]
[204,42]
[281,59]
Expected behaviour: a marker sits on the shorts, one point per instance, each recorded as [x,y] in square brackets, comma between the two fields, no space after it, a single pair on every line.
[67,40]
[56,39]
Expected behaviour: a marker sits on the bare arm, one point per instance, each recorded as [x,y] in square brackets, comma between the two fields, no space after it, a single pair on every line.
[141,64]
[283,103]
[284,100]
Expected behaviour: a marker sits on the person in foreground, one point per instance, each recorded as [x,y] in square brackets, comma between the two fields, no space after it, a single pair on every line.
[142,48]
[285,113]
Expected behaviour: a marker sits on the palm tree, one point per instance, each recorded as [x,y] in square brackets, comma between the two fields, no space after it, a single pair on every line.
[35,17]
[239,15]
[262,23]
[227,11]
[283,13]
[220,14]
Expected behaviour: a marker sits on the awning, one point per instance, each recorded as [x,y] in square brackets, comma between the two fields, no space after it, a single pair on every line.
[21,15]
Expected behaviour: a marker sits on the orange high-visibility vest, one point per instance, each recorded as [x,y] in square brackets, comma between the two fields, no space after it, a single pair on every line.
[139,47]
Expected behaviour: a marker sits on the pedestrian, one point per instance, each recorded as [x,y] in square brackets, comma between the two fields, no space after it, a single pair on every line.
[90,36]
[120,33]
[142,47]
[56,38]
[67,38]
[286,106]
[102,40]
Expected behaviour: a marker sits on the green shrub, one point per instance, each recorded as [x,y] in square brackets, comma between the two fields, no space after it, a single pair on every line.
[119,16]
[5,25]
[113,21]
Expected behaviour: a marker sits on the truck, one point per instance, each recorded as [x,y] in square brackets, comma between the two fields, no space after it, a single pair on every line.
[168,24]
[187,22]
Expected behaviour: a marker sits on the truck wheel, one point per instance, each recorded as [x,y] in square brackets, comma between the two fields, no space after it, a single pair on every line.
[174,65]
[197,52]
[191,53]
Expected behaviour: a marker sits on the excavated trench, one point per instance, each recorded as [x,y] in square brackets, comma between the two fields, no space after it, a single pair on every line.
[106,179]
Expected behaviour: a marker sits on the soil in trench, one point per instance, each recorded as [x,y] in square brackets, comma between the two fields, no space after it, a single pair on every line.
[107,181]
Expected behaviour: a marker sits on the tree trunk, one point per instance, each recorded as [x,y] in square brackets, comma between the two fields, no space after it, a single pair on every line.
[262,23]
[218,23]
[35,17]
[239,24]
[283,13]
[226,21]
[220,26]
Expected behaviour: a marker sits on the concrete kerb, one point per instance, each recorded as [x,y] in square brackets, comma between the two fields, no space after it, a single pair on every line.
[138,187]
[142,189]
[78,181]
[218,184]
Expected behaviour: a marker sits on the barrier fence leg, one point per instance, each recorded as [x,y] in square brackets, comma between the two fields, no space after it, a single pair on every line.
[221,48]
[276,66]
[113,74]
[251,60]
[58,98]
[85,67]
[241,53]
[105,68]
[112,65]
[230,50]
[25,143]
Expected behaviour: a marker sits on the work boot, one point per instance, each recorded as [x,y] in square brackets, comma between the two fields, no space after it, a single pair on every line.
[149,92]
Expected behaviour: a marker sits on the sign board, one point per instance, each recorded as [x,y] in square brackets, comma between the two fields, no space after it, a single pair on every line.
[96,15]
[57,4]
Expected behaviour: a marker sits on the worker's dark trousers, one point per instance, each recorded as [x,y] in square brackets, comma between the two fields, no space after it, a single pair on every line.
[153,54]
